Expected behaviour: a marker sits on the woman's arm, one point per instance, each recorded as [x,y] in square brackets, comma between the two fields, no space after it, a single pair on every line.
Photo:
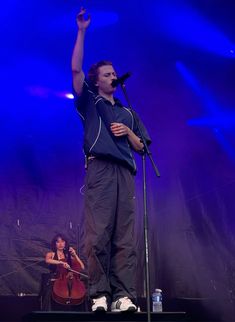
[49,260]
[74,255]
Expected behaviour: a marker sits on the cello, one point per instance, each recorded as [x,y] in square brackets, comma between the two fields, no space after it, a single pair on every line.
[68,289]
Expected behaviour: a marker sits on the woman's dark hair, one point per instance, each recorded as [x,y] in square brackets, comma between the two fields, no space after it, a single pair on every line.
[55,239]
[94,72]
[67,254]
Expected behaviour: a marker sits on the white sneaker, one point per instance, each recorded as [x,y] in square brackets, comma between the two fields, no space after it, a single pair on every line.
[123,304]
[99,304]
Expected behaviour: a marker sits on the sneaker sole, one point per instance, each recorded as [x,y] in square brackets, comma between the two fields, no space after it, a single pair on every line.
[100,309]
[130,309]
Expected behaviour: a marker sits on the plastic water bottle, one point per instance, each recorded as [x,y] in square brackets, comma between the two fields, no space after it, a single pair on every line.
[157,300]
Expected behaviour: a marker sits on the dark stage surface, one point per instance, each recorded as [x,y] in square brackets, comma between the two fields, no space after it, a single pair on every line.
[27,308]
[108,317]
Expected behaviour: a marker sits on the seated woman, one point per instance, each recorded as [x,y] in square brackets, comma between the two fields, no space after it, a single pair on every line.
[62,286]
[62,253]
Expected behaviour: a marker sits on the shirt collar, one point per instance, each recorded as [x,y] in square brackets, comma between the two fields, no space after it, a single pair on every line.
[116,100]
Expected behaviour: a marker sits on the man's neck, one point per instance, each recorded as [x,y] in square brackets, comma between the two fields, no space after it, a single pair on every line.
[108,97]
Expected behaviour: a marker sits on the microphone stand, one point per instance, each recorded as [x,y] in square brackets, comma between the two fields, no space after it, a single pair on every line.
[146,237]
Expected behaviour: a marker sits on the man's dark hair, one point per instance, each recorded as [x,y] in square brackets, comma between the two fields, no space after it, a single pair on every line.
[94,71]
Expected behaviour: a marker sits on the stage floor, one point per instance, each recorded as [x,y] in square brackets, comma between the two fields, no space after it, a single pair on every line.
[17,309]
[60,316]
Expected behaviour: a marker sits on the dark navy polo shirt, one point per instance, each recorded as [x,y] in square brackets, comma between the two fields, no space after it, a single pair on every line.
[97,114]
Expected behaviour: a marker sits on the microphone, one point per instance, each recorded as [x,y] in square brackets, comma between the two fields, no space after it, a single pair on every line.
[120,80]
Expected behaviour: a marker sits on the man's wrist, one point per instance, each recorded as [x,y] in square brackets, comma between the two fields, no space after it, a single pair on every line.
[129,131]
[81,30]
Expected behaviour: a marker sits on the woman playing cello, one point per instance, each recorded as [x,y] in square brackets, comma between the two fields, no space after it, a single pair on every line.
[62,253]
[65,286]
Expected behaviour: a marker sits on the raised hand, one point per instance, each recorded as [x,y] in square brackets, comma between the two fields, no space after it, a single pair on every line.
[81,21]
[72,251]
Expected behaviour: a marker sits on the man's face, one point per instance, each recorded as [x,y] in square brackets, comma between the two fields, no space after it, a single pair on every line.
[106,74]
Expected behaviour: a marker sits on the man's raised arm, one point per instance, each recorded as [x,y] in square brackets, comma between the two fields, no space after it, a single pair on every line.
[77,57]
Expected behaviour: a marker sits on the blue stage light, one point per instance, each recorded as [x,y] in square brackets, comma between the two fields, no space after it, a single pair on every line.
[218,119]
[185,25]
[103,18]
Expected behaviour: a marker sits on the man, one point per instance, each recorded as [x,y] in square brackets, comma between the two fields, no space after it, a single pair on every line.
[110,135]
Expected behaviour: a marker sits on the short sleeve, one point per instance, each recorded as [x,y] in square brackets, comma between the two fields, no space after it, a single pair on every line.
[138,121]
[81,101]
